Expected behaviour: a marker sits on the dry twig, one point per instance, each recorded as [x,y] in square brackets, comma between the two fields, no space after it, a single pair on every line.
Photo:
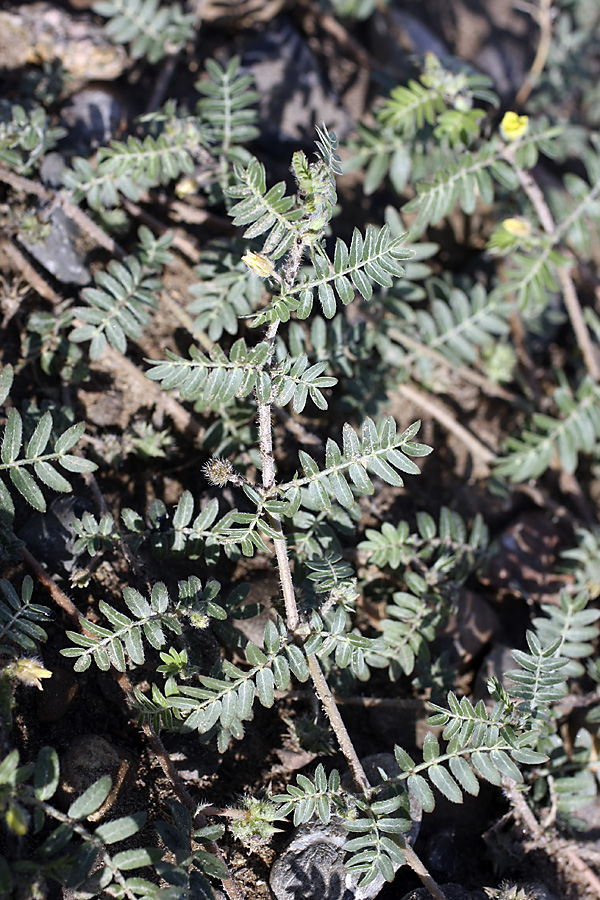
[543,17]
[564,852]
[482,455]
[582,335]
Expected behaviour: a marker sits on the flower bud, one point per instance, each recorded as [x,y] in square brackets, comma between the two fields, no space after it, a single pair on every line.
[28,671]
[259,264]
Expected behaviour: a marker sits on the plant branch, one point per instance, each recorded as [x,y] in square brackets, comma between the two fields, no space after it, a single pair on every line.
[482,455]
[118,365]
[563,851]
[19,183]
[58,595]
[321,687]
[543,17]
[358,773]
[582,335]
[470,375]
[265,430]
[337,723]
[79,829]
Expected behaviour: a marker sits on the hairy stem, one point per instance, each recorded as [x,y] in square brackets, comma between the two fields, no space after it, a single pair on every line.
[322,689]
[337,723]
[265,429]
[265,432]
[268,480]
[358,773]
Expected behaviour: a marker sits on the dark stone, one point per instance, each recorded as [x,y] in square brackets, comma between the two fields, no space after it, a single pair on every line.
[294,94]
[49,535]
[57,252]
[312,866]
[92,118]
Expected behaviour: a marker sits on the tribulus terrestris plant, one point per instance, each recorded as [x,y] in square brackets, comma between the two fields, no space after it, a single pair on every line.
[274,346]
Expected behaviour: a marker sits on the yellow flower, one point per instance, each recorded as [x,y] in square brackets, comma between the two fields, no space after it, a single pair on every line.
[259,264]
[519,228]
[28,671]
[513,127]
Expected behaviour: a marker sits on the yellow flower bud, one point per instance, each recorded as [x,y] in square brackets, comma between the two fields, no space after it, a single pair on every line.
[513,126]
[28,671]
[259,264]
[519,228]
[186,186]
[17,819]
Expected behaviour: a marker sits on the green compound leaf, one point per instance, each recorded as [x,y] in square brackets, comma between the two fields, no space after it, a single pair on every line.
[379,450]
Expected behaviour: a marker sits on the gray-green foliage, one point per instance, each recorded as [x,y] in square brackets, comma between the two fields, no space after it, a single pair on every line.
[583,561]
[130,167]
[108,647]
[85,859]
[432,562]
[227,112]
[150,28]
[20,618]
[430,134]
[441,101]
[225,292]
[352,9]
[124,642]
[25,136]
[93,535]
[172,143]
[118,307]
[569,82]
[214,379]
[459,325]
[443,550]
[471,176]
[476,744]
[577,431]
[562,637]
[126,294]
[29,461]
[411,623]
